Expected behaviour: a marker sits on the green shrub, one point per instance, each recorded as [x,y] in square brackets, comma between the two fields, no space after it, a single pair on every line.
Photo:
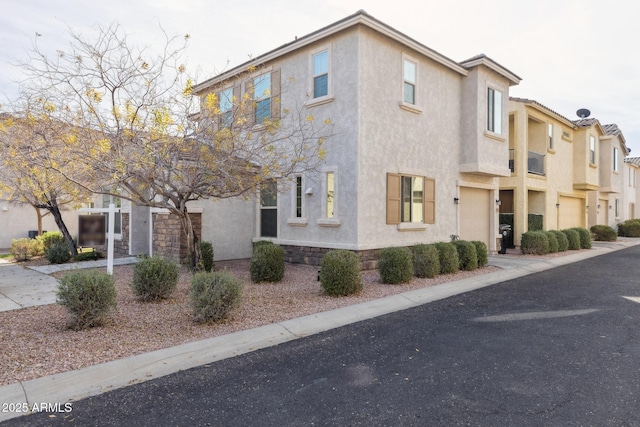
[585,237]
[58,253]
[483,253]
[448,254]
[206,252]
[629,228]
[262,242]
[396,265]
[467,255]
[340,273]
[50,238]
[535,222]
[563,242]
[604,233]
[154,278]
[21,249]
[534,242]
[37,246]
[88,296]
[214,294]
[574,239]
[426,262]
[88,256]
[553,242]
[267,263]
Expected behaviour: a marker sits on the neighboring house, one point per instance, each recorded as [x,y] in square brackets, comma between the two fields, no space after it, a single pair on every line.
[420,142]
[631,188]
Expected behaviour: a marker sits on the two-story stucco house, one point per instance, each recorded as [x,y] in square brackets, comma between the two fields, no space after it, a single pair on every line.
[420,142]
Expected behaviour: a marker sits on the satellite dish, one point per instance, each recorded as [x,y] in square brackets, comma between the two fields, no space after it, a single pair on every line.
[583,113]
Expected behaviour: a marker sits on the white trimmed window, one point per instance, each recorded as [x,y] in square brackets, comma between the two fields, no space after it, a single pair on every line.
[331,194]
[592,150]
[494,111]
[616,166]
[550,134]
[226,108]
[262,97]
[410,199]
[632,177]
[320,64]
[617,208]
[107,199]
[409,73]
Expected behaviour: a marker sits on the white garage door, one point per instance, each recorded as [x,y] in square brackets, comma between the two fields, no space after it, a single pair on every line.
[474,214]
[572,212]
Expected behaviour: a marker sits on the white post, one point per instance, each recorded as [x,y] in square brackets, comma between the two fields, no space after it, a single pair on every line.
[112,220]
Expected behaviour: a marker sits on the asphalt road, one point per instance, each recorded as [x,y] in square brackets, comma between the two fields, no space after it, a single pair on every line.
[558,348]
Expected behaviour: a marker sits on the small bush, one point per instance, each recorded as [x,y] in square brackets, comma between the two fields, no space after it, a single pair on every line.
[534,242]
[214,295]
[585,237]
[88,256]
[267,263]
[467,255]
[154,278]
[58,253]
[206,251]
[448,254]
[534,222]
[37,246]
[574,239]
[604,233]
[553,242]
[483,253]
[629,228]
[50,238]
[21,249]
[426,261]
[340,273]
[563,242]
[396,265]
[88,296]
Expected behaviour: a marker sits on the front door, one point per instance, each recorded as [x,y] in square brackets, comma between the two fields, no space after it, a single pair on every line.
[269,209]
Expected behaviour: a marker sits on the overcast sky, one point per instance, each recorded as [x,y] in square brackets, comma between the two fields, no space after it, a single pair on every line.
[570,54]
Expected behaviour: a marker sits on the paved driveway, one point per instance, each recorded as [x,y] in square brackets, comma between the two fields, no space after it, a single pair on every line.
[22,287]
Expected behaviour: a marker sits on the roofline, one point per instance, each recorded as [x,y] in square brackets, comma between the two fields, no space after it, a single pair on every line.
[544,109]
[359,18]
[513,78]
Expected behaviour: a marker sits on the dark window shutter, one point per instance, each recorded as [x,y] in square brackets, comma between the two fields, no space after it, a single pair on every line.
[275,95]
[429,201]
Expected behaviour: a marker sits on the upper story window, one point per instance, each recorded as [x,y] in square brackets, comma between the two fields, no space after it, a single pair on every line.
[550,134]
[410,79]
[592,150]
[494,111]
[632,177]
[321,74]
[262,97]
[616,166]
[226,108]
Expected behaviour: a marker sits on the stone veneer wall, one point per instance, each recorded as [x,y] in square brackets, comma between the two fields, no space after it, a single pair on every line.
[168,239]
[120,247]
[313,256]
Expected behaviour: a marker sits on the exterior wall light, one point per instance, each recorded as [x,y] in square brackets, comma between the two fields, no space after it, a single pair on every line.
[456,200]
[557,205]
[498,202]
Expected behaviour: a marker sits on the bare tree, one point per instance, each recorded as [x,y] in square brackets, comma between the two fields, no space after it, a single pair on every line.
[133,114]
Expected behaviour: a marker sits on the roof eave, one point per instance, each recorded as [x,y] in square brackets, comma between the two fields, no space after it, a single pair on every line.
[513,78]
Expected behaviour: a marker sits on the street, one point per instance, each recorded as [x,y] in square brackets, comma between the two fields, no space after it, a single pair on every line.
[557,348]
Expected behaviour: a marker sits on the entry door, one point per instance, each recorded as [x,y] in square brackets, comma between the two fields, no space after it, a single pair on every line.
[269,210]
[475,214]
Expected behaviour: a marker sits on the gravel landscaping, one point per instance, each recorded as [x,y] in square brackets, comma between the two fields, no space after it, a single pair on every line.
[36,341]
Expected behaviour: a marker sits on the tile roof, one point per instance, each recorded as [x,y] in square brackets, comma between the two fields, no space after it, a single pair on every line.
[633,160]
[586,122]
[611,129]
[533,102]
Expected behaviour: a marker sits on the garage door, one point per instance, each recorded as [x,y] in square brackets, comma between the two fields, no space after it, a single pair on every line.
[474,214]
[571,212]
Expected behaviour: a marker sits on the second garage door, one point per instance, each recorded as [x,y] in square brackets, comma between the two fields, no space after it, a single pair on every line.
[571,212]
[474,214]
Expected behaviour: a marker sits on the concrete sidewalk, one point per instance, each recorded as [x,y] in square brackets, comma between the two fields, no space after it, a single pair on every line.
[93,380]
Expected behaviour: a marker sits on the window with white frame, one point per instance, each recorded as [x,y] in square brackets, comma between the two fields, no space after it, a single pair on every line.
[107,199]
[409,71]
[550,134]
[331,194]
[592,150]
[320,62]
[617,204]
[615,160]
[226,108]
[262,97]
[410,199]
[632,177]
[299,194]
[494,111]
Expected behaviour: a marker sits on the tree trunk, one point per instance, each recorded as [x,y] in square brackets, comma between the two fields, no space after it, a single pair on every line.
[57,216]
[193,245]
[39,220]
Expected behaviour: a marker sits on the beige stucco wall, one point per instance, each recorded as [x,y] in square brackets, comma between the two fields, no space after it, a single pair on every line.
[17,219]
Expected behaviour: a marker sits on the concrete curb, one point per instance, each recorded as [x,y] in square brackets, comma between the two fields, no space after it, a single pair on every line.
[97,379]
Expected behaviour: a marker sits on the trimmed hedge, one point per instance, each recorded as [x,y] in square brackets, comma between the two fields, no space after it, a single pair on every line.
[22,249]
[448,254]
[154,278]
[483,252]
[467,255]
[603,233]
[535,222]
[534,242]
[553,242]
[214,295]
[585,237]
[396,265]
[563,242]
[267,263]
[340,273]
[426,261]
[629,228]
[206,253]
[574,239]
[88,296]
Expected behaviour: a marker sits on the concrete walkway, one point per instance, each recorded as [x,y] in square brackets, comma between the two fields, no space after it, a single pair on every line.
[93,380]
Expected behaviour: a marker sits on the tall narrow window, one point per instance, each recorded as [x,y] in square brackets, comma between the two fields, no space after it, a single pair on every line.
[298,197]
[494,111]
[412,198]
[331,194]
[269,209]
[632,177]
[592,150]
[262,97]
[107,199]
[409,88]
[617,208]
[321,74]
[550,133]
[615,159]
[226,108]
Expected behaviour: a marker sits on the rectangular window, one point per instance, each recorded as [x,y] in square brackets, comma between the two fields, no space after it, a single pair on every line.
[331,194]
[409,85]
[632,177]
[592,150]
[269,209]
[226,108]
[494,111]
[615,159]
[410,199]
[617,208]
[298,197]
[321,74]
[550,132]
[262,97]
[107,199]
